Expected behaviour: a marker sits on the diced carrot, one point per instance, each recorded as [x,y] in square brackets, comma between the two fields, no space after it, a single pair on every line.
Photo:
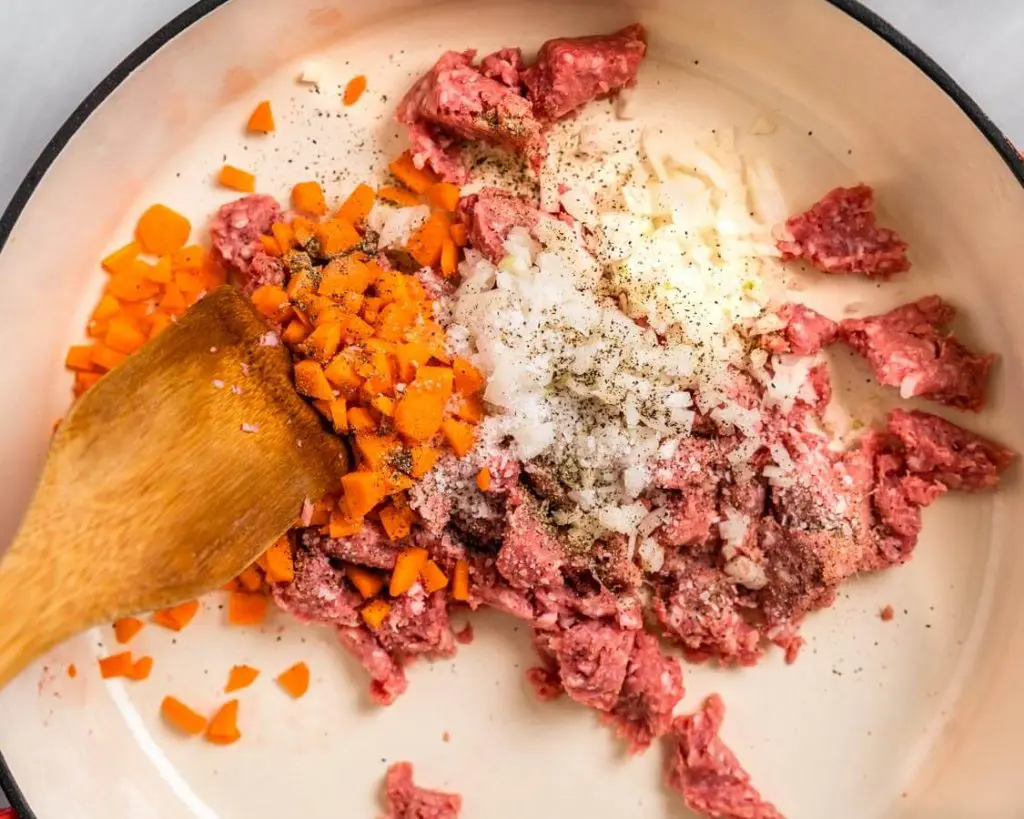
[190,283]
[262,119]
[161,321]
[223,728]
[423,460]
[460,582]
[295,333]
[468,379]
[443,195]
[361,420]
[408,565]
[311,381]
[173,301]
[322,343]
[161,230]
[177,617]
[79,357]
[182,717]
[72,670]
[123,336]
[141,669]
[449,258]
[354,90]
[116,665]
[270,245]
[83,381]
[483,479]
[410,357]
[126,628]
[363,491]
[280,566]
[162,272]
[415,179]
[368,583]
[397,522]
[283,235]
[308,197]
[459,435]
[358,205]
[345,275]
[250,580]
[122,258]
[384,405]
[342,525]
[433,578]
[304,229]
[132,286]
[337,236]
[341,373]
[237,179]
[376,450]
[246,609]
[420,410]
[469,408]
[295,680]
[107,308]
[354,329]
[460,234]
[105,358]
[398,196]
[375,613]
[427,241]
[339,415]
[240,676]
[191,257]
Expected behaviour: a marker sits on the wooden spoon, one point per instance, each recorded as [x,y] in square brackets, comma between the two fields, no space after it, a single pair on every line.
[165,480]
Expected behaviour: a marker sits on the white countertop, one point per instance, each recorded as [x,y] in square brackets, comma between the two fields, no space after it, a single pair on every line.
[53,52]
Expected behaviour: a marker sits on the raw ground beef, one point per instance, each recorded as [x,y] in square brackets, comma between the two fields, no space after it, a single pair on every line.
[417,624]
[235,233]
[530,554]
[370,548]
[572,71]
[840,235]
[387,679]
[590,659]
[652,689]
[698,605]
[455,101]
[907,349]
[505,65]
[709,777]
[318,592]
[405,800]
[806,331]
[491,215]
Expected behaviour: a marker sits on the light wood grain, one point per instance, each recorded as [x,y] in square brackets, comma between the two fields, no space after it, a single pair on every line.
[152,492]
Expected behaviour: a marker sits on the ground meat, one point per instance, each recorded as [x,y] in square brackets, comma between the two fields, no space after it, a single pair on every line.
[938,451]
[695,464]
[235,232]
[691,518]
[318,593]
[454,101]
[906,349]
[591,660]
[530,553]
[488,588]
[698,606]
[702,769]
[505,65]
[570,72]
[405,800]
[806,331]
[492,213]
[388,680]
[652,689]
[840,235]
[417,625]
[804,569]
[371,547]
[611,562]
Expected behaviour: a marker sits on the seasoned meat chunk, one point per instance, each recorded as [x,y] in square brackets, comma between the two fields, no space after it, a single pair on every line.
[591,660]
[406,800]
[840,235]
[907,349]
[492,213]
[235,232]
[653,687]
[806,331]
